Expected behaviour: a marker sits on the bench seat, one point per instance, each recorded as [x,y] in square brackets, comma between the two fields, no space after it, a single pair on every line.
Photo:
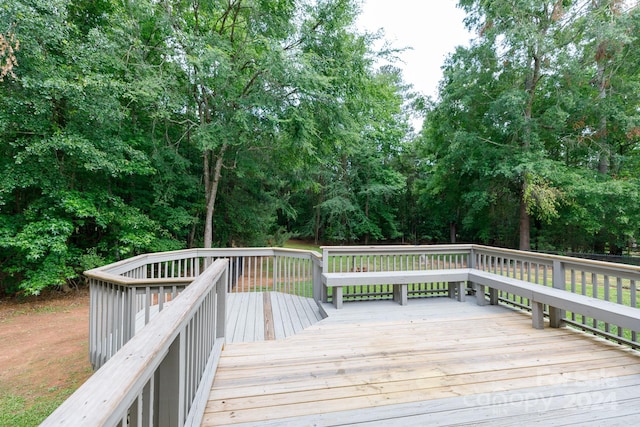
[399,279]
[556,299]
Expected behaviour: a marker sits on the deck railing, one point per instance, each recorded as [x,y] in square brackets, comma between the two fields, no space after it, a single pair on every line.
[162,376]
[179,296]
[343,259]
[607,281]
[124,296]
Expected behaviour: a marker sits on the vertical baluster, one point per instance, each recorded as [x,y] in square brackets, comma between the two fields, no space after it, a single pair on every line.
[619,291]
[161,297]
[521,263]
[594,293]
[573,290]
[288,273]
[109,320]
[262,261]
[190,358]
[633,290]
[606,296]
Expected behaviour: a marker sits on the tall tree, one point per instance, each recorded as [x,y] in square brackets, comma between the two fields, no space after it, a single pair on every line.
[242,59]
[525,34]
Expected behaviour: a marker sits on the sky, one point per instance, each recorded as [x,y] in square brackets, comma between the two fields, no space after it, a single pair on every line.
[433,28]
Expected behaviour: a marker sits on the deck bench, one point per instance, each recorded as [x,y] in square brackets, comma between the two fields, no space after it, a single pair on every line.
[557,300]
[399,279]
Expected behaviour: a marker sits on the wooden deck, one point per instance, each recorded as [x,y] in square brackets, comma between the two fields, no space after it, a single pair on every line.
[433,362]
[260,316]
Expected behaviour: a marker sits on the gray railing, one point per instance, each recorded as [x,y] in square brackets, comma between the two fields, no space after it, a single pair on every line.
[126,295]
[180,297]
[611,282]
[342,259]
[606,281]
[163,375]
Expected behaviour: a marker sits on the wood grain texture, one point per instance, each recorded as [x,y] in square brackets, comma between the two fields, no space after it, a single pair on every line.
[433,362]
[259,316]
[269,331]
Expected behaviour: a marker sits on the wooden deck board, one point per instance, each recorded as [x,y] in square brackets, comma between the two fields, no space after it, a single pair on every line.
[247,319]
[433,361]
[282,316]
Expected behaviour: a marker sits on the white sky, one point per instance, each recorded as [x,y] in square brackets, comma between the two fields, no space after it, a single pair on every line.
[433,28]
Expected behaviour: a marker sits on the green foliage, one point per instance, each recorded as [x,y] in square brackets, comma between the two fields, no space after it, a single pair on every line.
[69,151]
[147,126]
[527,115]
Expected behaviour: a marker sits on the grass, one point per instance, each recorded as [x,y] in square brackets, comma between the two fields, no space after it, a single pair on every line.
[17,410]
[298,244]
[608,289]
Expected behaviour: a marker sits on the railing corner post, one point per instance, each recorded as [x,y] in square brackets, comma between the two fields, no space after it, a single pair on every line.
[556,315]
[221,297]
[317,280]
[472,258]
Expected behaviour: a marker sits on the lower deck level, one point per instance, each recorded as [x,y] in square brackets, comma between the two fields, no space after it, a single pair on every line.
[435,361]
[264,316]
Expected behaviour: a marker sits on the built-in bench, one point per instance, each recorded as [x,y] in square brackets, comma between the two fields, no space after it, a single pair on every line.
[399,279]
[557,300]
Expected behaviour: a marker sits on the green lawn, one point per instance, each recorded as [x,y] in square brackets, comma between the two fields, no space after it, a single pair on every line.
[297,244]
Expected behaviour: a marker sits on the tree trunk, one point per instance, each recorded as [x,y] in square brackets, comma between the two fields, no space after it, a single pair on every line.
[452,231]
[603,161]
[366,215]
[316,231]
[525,222]
[531,84]
[212,180]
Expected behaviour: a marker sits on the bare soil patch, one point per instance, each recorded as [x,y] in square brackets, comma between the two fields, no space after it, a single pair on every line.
[44,345]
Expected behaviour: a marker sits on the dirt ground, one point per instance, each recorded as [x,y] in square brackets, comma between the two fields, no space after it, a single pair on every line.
[44,344]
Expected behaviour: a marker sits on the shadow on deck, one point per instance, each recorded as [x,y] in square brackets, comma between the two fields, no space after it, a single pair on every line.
[432,362]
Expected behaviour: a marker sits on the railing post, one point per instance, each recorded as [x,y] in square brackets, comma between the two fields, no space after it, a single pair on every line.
[221,304]
[317,279]
[471,263]
[325,269]
[171,374]
[556,315]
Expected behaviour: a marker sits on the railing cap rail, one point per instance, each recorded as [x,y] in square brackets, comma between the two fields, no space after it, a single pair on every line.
[398,248]
[566,260]
[132,366]
[140,260]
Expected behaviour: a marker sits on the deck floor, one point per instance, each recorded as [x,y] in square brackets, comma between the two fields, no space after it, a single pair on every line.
[432,362]
[260,316]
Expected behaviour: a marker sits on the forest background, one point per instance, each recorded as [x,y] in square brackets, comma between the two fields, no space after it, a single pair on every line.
[150,125]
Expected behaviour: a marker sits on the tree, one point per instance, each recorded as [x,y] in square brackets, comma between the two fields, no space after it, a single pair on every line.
[356,123]
[71,154]
[525,35]
[240,57]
